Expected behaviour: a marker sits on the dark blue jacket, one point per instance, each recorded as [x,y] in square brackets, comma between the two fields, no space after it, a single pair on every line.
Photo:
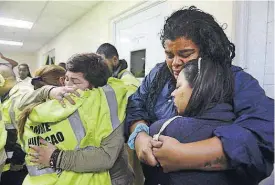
[186,130]
[248,142]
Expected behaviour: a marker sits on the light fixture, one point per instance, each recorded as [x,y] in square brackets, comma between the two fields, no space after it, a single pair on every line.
[15,23]
[13,43]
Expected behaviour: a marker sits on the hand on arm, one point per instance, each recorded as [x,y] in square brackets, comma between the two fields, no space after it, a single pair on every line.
[80,160]
[143,146]
[59,93]
[42,155]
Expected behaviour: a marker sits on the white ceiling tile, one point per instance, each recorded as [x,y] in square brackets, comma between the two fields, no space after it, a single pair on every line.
[82,4]
[28,11]
[49,17]
[63,10]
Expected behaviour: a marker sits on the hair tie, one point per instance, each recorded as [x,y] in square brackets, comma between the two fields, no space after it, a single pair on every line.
[38,78]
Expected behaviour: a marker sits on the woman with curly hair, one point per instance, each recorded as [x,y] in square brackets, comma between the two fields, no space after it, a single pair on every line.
[247,145]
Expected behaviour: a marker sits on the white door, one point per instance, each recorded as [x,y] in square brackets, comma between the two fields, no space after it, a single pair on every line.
[141,32]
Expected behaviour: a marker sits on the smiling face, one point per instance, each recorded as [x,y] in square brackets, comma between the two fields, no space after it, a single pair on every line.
[76,79]
[182,93]
[179,52]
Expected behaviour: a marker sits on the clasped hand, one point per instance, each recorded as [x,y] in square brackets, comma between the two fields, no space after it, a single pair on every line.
[163,152]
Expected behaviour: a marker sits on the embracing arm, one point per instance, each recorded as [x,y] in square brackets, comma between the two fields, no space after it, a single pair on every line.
[39,95]
[247,145]
[205,155]
[95,159]
[45,92]
[249,142]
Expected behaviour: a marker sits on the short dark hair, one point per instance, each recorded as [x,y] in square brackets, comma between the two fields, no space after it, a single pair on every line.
[203,30]
[94,70]
[212,84]
[62,64]
[108,50]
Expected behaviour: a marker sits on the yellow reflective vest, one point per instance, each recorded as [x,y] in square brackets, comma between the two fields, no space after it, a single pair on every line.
[81,126]
[10,115]
[3,137]
[128,78]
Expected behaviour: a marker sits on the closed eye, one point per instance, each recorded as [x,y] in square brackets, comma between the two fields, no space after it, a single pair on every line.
[169,55]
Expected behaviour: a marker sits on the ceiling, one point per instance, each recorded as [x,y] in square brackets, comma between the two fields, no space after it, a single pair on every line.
[49,18]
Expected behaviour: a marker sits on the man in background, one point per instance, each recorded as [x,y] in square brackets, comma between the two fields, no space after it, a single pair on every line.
[117,67]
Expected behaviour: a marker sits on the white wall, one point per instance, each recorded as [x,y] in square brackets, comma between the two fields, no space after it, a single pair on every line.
[268,82]
[28,58]
[87,33]
[95,28]
[140,28]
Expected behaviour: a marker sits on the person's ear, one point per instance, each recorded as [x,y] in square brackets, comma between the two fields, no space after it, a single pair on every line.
[62,81]
[115,60]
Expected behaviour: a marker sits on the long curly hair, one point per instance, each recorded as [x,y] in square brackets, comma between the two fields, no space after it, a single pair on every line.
[205,32]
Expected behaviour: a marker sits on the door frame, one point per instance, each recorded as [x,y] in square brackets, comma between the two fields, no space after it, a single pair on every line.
[132,11]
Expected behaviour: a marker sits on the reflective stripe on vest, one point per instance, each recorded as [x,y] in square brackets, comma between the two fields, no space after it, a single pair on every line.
[35,171]
[12,125]
[112,103]
[9,126]
[12,114]
[9,155]
[78,128]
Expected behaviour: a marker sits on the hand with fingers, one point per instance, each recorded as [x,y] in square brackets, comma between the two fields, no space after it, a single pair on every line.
[144,150]
[166,150]
[59,93]
[42,154]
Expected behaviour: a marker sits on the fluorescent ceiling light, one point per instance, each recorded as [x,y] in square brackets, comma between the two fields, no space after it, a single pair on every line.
[15,23]
[13,43]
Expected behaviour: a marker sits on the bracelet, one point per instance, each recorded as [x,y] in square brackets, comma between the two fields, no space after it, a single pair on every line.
[53,158]
[141,127]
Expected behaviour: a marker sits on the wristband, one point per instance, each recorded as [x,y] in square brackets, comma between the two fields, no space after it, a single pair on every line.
[141,127]
[53,158]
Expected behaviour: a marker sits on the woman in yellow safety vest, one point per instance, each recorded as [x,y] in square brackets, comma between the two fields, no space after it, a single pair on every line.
[96,114]
[3,133]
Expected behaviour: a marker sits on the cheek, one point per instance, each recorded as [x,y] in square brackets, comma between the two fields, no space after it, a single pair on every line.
[66,82]
[84,86]
[188,94]
[169,62]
